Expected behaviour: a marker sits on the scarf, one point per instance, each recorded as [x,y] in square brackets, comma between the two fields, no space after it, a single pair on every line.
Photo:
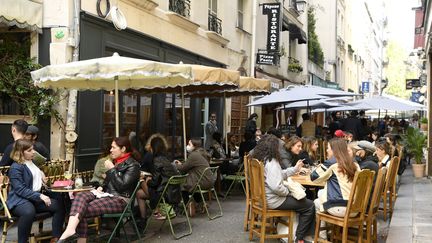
[122,158]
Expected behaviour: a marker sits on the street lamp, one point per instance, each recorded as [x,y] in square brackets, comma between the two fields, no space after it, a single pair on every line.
[300,5]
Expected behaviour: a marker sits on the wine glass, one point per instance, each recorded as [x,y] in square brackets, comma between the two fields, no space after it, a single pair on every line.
[68,176]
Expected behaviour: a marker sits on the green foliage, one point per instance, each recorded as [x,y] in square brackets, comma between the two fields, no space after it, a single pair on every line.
[397,71]
[414,142]
[294,66]
[315,54]
[16,83]
[424,120]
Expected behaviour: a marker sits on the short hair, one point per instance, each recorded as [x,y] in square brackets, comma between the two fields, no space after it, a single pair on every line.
[196,142]
[305,116]
[125,142]
[20,125]
[18,149]
[275,132]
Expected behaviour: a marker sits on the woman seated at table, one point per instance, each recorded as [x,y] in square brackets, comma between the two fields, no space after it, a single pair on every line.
[309,151]
[121,179]
[100,169]
[197,161]
[25,197]
[216,150]
[154,185]
[277,194]
[294,147]
[383,151]
[338,177]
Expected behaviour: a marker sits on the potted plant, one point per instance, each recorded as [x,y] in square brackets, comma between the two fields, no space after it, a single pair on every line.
[414,142]
[424,124]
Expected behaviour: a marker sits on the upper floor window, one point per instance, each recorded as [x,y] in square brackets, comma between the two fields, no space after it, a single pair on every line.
[181,7]
[214,23]
[240,13]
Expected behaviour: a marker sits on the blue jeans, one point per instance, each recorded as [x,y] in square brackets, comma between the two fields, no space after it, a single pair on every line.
[27,211]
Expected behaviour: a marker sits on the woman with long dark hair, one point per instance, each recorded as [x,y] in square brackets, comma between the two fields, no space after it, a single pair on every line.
[121,179]
[277,194]
[338,176]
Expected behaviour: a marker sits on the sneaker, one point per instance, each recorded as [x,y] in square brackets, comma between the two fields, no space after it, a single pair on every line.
[159,216]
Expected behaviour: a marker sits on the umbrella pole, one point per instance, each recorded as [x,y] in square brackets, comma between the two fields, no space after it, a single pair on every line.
[116,97]
[225,124]
[183,124]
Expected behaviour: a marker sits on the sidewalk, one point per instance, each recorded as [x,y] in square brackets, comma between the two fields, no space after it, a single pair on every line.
[412,217]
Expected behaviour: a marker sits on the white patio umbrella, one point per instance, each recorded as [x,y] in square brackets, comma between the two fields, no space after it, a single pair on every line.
[300,93]
[113,73]
[342,107]
[323,103]
[384,103]
[131,74]
[248,86]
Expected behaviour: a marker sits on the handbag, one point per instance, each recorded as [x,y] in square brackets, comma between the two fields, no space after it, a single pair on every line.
[296,189]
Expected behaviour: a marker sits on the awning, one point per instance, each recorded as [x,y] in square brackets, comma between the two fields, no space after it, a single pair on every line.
[295,31]
[24,14]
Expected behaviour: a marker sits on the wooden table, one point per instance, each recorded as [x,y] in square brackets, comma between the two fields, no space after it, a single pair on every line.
[306,181]
[72,189]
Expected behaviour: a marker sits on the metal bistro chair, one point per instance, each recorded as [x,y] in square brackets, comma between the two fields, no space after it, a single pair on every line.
[198,189]
[127,213]
[238,177]
[176,180]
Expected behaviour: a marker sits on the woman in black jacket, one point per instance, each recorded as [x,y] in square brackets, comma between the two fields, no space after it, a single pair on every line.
[121,179]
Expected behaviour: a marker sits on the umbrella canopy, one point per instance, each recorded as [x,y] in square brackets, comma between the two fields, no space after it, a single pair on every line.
[383,103]
[246,86]
[342,107]
[323,103]
[408,102]
[300,93]
[99,74]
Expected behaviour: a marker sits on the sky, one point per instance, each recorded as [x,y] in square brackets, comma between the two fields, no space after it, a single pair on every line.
[401,22]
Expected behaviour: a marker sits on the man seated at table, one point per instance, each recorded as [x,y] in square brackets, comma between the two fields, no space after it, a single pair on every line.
[19,127]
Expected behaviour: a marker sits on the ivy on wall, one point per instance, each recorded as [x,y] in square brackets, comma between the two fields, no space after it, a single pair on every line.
[16,85]
[315,54]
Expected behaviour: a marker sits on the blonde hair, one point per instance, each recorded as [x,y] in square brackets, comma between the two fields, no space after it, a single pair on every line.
[18,149]
[307,146]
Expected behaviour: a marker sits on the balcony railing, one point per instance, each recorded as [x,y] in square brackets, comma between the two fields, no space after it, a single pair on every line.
[214,23]
[181,7]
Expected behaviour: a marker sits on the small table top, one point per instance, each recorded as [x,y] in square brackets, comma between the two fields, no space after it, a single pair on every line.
[306,181]
[72,189]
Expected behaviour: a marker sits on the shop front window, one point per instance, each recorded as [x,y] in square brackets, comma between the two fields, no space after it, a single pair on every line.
[173,125]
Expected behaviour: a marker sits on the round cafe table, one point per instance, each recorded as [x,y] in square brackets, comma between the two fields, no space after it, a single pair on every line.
[71,189]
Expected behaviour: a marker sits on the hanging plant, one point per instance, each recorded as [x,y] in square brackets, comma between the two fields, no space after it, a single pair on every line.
[16,83]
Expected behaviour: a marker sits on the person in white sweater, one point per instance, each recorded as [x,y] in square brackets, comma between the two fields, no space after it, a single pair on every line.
[277,194]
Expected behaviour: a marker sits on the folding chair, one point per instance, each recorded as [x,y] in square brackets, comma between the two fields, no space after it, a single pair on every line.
[176,180]
[238,177]
[127,213]
[198,189]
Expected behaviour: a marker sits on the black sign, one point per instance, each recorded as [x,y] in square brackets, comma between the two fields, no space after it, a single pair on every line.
[272,10]
[412,83]
[266,59]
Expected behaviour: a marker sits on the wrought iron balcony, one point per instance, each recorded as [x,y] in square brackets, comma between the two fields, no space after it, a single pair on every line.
[214,23]
[181,7]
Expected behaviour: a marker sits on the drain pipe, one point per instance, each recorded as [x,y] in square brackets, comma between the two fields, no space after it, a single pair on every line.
[70,134]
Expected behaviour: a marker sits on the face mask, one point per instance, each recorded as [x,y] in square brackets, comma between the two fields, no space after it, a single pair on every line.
[189,148]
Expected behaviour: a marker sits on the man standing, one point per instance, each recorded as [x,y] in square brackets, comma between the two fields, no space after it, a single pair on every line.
[307,128]
[210,129]
[18,129]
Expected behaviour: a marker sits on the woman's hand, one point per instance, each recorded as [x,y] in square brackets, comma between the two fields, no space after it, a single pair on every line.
[299,164]
[45,199]
[108,164]
[100,189]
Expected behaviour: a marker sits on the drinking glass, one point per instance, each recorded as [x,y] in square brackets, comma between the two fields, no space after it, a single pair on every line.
[68,176]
